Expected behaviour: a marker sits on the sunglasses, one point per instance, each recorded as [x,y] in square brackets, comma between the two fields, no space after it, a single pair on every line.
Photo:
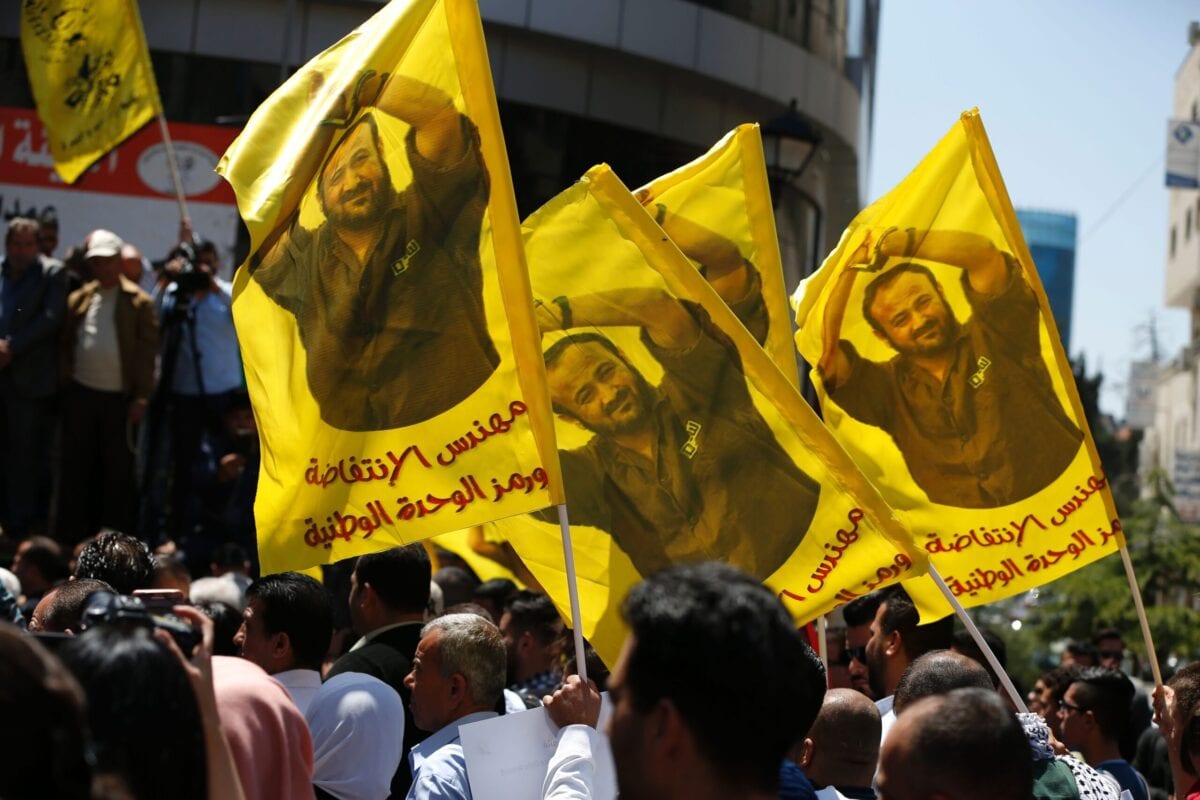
[1117,654]
[851,654]
[1072,707]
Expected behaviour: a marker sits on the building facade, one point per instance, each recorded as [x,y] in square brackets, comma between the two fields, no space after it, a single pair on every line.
[1174,439]
[1052,237]
[644,86]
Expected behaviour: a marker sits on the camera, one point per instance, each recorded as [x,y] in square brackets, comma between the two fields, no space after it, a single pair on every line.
[106,608]
[191,277]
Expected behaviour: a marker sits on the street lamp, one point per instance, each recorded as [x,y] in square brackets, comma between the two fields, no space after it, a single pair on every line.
[789,144]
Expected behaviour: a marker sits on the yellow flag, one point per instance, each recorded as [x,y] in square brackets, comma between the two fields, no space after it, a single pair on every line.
[486,558]
[681,440]
[384,313]
[91,76]
[940,371]
[726,189]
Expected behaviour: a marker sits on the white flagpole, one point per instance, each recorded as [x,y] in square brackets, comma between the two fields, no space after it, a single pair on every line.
[822,645]
[573,591]
[1005,681]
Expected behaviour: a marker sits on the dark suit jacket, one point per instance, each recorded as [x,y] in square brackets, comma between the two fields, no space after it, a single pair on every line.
[33,329]
[389,657]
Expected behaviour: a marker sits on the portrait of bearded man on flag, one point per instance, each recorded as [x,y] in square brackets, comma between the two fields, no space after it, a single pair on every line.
[969,404]
[387,291]
[687,469]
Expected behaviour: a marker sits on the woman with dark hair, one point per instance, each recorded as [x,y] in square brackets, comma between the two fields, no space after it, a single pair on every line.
[43,740]
[142,711]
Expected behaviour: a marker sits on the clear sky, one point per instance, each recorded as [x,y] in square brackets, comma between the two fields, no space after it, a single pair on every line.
[1075,96]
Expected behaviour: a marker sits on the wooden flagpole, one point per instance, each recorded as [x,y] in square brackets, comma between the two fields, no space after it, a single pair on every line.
[1005,681]
[1141,612]
[173,166]
[573,591]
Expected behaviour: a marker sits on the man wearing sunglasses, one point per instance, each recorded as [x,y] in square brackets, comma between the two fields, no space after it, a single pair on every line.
[858,614]
[1094,714]
[897,640]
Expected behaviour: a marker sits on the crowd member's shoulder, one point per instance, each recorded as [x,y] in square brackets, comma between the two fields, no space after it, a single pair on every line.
[380,658]
[139,295]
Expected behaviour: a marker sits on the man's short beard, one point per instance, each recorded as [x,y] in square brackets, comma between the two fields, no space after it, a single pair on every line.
[361,220]
[944,345]
[875,677]
[644,396]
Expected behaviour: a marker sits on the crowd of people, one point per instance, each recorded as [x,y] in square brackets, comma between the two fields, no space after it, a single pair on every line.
[122,394]
[143,656]
[356,685]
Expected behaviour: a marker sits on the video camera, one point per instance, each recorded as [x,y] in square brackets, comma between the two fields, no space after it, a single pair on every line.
[191,277]
[106,608]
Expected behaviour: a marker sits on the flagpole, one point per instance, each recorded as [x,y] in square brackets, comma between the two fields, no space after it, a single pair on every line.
[1005,681]
[573,591]
[173,166]
[822,646]
[1141,612]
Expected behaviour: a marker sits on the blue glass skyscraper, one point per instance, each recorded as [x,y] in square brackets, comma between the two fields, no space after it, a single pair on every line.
[1051,237]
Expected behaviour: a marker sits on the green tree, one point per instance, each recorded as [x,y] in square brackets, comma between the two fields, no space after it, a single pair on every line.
[1166,561]
[1118,451]
[1162,549]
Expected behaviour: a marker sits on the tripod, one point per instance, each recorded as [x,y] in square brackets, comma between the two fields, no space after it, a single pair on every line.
[159,511]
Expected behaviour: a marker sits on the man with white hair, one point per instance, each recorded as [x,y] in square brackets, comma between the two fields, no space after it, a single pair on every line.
[457,678]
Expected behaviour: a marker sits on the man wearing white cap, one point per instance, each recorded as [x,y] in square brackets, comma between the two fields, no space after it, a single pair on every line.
[107,358]
[33,295]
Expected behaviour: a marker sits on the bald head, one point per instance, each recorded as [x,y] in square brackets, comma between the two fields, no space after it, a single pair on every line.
[131,262]
[842,747]
[958,746]
[937,673]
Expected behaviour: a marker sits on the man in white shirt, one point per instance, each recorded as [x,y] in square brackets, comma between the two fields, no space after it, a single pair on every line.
[286,627]
[575,709]
[897,640]
[107,354]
